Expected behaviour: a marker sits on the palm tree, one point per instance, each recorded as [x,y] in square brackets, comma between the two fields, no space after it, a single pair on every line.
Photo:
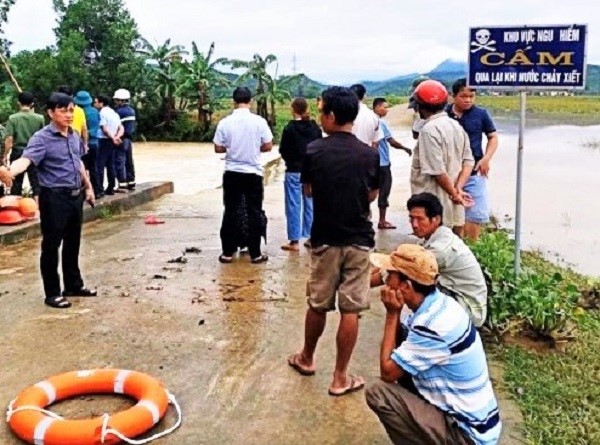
[164,59]
[256,69]
[199,78]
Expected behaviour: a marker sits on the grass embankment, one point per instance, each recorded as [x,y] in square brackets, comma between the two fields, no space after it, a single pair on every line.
[558,391]
[574,105]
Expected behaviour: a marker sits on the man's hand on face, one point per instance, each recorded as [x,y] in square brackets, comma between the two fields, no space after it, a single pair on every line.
[392,299]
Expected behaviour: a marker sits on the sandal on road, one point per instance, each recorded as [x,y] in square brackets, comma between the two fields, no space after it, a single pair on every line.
[260,259]
[294,362]
[354,384]
[291,247]
[386,225]
[58,302]
[225,259]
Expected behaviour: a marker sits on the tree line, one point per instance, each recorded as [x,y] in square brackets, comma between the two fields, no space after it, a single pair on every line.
[98,48]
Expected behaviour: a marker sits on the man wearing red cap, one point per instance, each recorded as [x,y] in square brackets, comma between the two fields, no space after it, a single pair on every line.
[442,160]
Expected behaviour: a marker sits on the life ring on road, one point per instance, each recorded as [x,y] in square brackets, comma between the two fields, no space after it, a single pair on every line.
[32,423]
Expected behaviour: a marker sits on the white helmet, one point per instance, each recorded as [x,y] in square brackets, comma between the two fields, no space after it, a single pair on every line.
[122,94]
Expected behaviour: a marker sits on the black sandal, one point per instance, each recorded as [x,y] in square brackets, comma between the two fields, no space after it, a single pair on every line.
[225,259]
[259,259]
[83,292]
[58,302]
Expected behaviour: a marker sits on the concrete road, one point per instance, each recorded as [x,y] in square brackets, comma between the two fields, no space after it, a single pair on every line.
[216,335]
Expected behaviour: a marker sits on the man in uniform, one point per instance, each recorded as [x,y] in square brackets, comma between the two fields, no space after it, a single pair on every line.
[56,151]
[19,129]
[124,154]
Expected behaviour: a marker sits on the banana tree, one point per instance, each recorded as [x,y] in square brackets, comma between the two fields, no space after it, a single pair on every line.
[256,70]
[199,78]
[277,91]
[164,60]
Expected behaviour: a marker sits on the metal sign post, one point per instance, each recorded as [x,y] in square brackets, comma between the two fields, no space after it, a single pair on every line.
[523,99]
[527,58]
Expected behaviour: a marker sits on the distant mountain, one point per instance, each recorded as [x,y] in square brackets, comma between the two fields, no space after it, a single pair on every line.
[446,72]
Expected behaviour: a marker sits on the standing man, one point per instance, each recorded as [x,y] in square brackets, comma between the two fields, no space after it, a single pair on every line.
[19,129]
[477,122]
[435,386]
[124,154]
[242,136]
[92,118]
[442,160]
[109,137]
[366,125]
[56,151]
[342,175]
[380,107]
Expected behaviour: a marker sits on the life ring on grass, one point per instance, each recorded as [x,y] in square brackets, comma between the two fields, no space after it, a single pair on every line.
[32,423]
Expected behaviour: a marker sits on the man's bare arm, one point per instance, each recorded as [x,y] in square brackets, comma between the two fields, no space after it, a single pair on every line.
[4,154]
[220,149]
[267,146]
[373,195]
[394,143]
[483,166]
[19,166]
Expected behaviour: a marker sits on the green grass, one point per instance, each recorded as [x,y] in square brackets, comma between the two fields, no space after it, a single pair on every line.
[559,393]
[575,105]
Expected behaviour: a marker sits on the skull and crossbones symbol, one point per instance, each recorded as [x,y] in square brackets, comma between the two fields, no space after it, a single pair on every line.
[482,41]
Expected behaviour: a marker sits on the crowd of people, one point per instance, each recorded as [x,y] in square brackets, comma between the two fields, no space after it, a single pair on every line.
[435,387]
[66,162]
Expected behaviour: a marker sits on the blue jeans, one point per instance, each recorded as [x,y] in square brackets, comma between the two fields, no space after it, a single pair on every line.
[122,153]
[106,160]
[298,208]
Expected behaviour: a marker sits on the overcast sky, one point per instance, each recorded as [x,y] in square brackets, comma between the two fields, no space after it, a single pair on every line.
[333,41]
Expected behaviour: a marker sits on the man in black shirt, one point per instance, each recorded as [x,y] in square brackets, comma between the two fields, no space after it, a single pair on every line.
[342,175]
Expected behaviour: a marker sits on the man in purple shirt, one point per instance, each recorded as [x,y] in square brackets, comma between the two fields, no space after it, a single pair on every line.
[56,151]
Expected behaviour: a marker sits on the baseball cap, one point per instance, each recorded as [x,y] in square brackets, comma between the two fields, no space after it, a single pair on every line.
[412,260]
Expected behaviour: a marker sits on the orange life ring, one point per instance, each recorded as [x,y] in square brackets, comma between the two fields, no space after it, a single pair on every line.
[32,425]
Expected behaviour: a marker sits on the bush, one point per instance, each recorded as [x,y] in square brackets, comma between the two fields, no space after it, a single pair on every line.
[538,299]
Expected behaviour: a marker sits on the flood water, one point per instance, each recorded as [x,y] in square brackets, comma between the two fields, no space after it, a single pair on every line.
[561,180]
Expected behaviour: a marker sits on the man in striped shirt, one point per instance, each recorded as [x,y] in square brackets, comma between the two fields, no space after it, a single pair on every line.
[435,387]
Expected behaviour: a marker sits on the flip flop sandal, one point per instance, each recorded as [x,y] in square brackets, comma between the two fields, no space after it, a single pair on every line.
[295,364]
[386,225]
[291,247]
[225,259]
[355,385]
[58,302]
[260,259]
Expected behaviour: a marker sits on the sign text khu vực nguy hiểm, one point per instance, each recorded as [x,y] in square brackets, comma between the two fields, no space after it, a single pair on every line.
[527,57]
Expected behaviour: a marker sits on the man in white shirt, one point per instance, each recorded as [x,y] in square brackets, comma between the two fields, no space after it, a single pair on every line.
[366,126]
[242,136]
[109,138]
